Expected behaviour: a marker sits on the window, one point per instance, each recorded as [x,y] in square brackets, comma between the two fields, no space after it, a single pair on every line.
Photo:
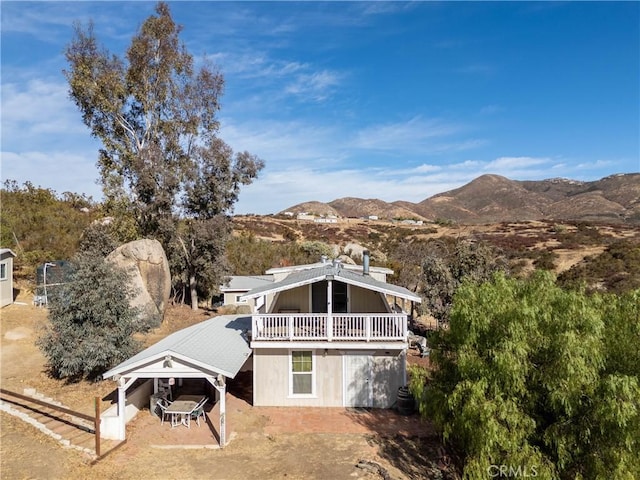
[3,271]
[239,299]
[302,379]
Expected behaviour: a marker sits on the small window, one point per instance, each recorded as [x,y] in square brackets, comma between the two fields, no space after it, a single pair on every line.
[239,299]
[302,373]
[3,271]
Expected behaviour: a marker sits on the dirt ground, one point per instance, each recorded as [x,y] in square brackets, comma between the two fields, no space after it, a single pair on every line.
[263,443]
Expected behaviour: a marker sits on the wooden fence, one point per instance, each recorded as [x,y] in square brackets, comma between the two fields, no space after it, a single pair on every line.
[95,419]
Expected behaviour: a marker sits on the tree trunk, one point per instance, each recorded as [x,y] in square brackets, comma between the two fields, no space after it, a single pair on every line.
[193,290]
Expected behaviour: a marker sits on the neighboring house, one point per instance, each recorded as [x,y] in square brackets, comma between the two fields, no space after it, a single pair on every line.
[329,334]
[238,285]
[323,334]
[6,276]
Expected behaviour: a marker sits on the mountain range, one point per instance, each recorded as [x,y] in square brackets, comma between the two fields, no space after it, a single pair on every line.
[494,199]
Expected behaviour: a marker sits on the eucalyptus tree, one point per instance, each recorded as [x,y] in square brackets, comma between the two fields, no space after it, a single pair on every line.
[161,160]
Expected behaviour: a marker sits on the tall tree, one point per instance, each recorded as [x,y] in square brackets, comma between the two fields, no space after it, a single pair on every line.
[155,115]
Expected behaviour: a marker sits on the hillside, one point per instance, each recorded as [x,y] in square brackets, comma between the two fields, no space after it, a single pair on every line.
[493,199]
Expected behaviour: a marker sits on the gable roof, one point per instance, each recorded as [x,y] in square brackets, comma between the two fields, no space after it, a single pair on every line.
[242,283]
[310,266]
[7,250]
[219,344]
[332,272]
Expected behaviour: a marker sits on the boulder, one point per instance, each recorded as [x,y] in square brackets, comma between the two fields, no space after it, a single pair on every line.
[148,266]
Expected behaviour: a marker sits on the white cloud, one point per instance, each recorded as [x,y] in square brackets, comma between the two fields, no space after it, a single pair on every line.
[60,171]
[282,143]
[597,164]
[513,163]
[40,112]
[316,86]
[416,135]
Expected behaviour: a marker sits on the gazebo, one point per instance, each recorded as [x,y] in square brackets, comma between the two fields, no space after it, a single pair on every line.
[214,350]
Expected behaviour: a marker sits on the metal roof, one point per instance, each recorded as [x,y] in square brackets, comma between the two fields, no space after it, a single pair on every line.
[336,272]
[308,266]
[219,344]
[244,283]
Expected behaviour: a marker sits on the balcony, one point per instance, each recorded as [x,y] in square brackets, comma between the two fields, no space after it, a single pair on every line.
[363,327]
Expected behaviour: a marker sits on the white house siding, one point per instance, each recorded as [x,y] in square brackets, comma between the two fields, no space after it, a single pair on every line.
[365,301]
[230,298]
[296,300]
[271,379]
[6,283]
[385,375]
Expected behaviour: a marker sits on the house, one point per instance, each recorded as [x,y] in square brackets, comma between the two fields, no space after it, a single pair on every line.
[323,334]
[329,334]
[6,276]
[238,285]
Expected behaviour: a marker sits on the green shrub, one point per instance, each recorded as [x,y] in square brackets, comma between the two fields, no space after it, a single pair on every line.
[537,378]
[91,322]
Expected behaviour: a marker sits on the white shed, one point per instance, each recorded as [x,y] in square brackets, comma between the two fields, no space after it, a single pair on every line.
[6,276]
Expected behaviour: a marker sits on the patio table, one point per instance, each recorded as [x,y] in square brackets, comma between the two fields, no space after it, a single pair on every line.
[182,407]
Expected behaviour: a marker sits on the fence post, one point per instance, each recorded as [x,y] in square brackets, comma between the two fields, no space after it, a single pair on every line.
[97,425]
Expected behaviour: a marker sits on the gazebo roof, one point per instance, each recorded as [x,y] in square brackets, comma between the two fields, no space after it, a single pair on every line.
[219,344]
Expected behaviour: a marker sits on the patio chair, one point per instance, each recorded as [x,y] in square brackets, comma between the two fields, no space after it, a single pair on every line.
[163,404]
[198,411]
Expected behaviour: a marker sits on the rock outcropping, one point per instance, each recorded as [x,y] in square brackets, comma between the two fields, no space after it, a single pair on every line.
[148,266]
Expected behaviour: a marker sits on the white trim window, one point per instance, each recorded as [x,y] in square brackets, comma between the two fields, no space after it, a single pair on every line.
[3,271]
[302,373]
[239,298]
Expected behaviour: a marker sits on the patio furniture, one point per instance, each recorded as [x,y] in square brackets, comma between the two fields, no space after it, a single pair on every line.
[163,404]
[181,409]
[198,411]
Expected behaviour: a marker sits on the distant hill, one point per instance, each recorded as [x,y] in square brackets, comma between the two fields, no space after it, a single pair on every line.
[493,198]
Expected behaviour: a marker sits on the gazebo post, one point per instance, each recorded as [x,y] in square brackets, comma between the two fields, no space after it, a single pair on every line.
[223,420]
[220,385]
[123,385]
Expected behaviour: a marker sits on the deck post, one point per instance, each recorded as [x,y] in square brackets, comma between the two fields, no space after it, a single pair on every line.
[290,327]
[329,310]
[367,328]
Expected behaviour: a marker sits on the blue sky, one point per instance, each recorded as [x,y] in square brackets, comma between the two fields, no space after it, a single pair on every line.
[388,100]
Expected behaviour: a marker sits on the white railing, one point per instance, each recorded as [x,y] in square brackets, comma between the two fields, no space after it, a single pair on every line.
[339,326]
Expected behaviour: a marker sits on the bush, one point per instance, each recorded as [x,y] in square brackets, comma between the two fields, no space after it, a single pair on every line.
[537,378]
[91,322]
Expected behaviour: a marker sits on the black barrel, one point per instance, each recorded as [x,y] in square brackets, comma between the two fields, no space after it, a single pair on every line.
[406,403]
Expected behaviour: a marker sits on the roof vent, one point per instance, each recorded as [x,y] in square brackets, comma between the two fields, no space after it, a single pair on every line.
[324,259]
[337,263]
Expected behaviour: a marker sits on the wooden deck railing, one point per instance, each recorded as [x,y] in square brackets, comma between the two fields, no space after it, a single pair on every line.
[367,327]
